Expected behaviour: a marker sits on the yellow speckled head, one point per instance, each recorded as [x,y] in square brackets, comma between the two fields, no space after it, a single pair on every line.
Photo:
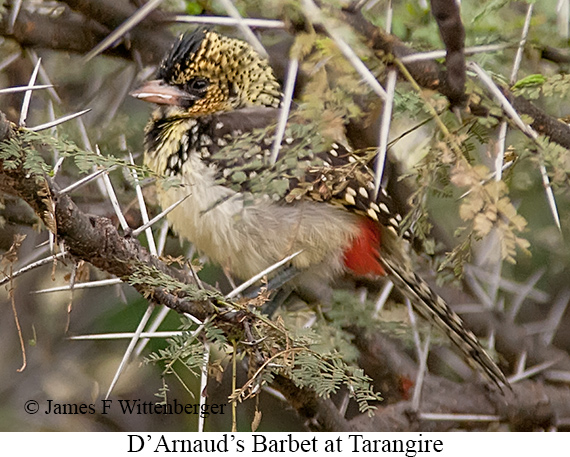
[220,74]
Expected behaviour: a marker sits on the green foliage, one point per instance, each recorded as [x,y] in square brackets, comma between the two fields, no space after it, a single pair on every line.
[408,105]
[26,150]
[261,8]
[488,8]
[331,94]
[184,348]
[21,151]
[163,393]
[529,81]
[215,334]
[320,358]
[557,158]
[326,376]
[194,8]
[152,278]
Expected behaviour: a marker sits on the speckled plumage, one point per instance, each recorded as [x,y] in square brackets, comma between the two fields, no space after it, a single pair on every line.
[218,106]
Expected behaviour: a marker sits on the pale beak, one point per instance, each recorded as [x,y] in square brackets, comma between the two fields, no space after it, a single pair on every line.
[159,92]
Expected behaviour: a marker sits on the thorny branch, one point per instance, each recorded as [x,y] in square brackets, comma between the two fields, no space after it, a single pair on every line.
[86,22]
[431,75]
[95,239]
[82,24]
[91,238]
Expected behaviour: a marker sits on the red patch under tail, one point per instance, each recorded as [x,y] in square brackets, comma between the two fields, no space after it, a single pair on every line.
[363,256]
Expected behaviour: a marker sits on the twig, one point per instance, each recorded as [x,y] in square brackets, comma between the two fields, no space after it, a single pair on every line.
[137,17]
[313,12]
[32,266]
[245,30]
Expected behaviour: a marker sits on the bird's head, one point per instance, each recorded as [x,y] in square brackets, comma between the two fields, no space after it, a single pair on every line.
[205,73]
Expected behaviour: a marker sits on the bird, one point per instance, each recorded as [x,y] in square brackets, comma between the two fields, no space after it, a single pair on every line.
[218,103]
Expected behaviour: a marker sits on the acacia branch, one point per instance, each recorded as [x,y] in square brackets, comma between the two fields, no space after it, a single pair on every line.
[87,23]
[429,74]
[92,238]
[531,405]
[96,240]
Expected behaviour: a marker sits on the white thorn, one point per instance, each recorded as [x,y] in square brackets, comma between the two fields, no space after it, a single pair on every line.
[83,181]
[550,196]
[522,42]
[384,294]
[16,5]
[248,34]
[16,89]
[130,348]
[61,120]
[158,217]
[203,385]
[314,12]
[32,266]
[532,371]
[285,107]
[384,131]
[28,95]
[152,330]
[144,212]
[440,54]
[258,276]
[10,60]
[126,335]
[460,417]
[80,285]
[113,198]
[217,20]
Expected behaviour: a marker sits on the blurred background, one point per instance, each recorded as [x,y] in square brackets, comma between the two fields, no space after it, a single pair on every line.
[534,291]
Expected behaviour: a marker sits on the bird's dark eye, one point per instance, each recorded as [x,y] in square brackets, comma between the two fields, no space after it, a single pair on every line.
[197,84]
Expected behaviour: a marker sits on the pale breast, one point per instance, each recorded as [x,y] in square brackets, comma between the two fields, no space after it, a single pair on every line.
[243,233]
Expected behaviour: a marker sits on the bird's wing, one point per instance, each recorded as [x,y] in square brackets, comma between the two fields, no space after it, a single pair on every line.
[309,166]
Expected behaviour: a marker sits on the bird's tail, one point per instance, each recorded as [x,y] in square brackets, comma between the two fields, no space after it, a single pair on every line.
[433,308]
